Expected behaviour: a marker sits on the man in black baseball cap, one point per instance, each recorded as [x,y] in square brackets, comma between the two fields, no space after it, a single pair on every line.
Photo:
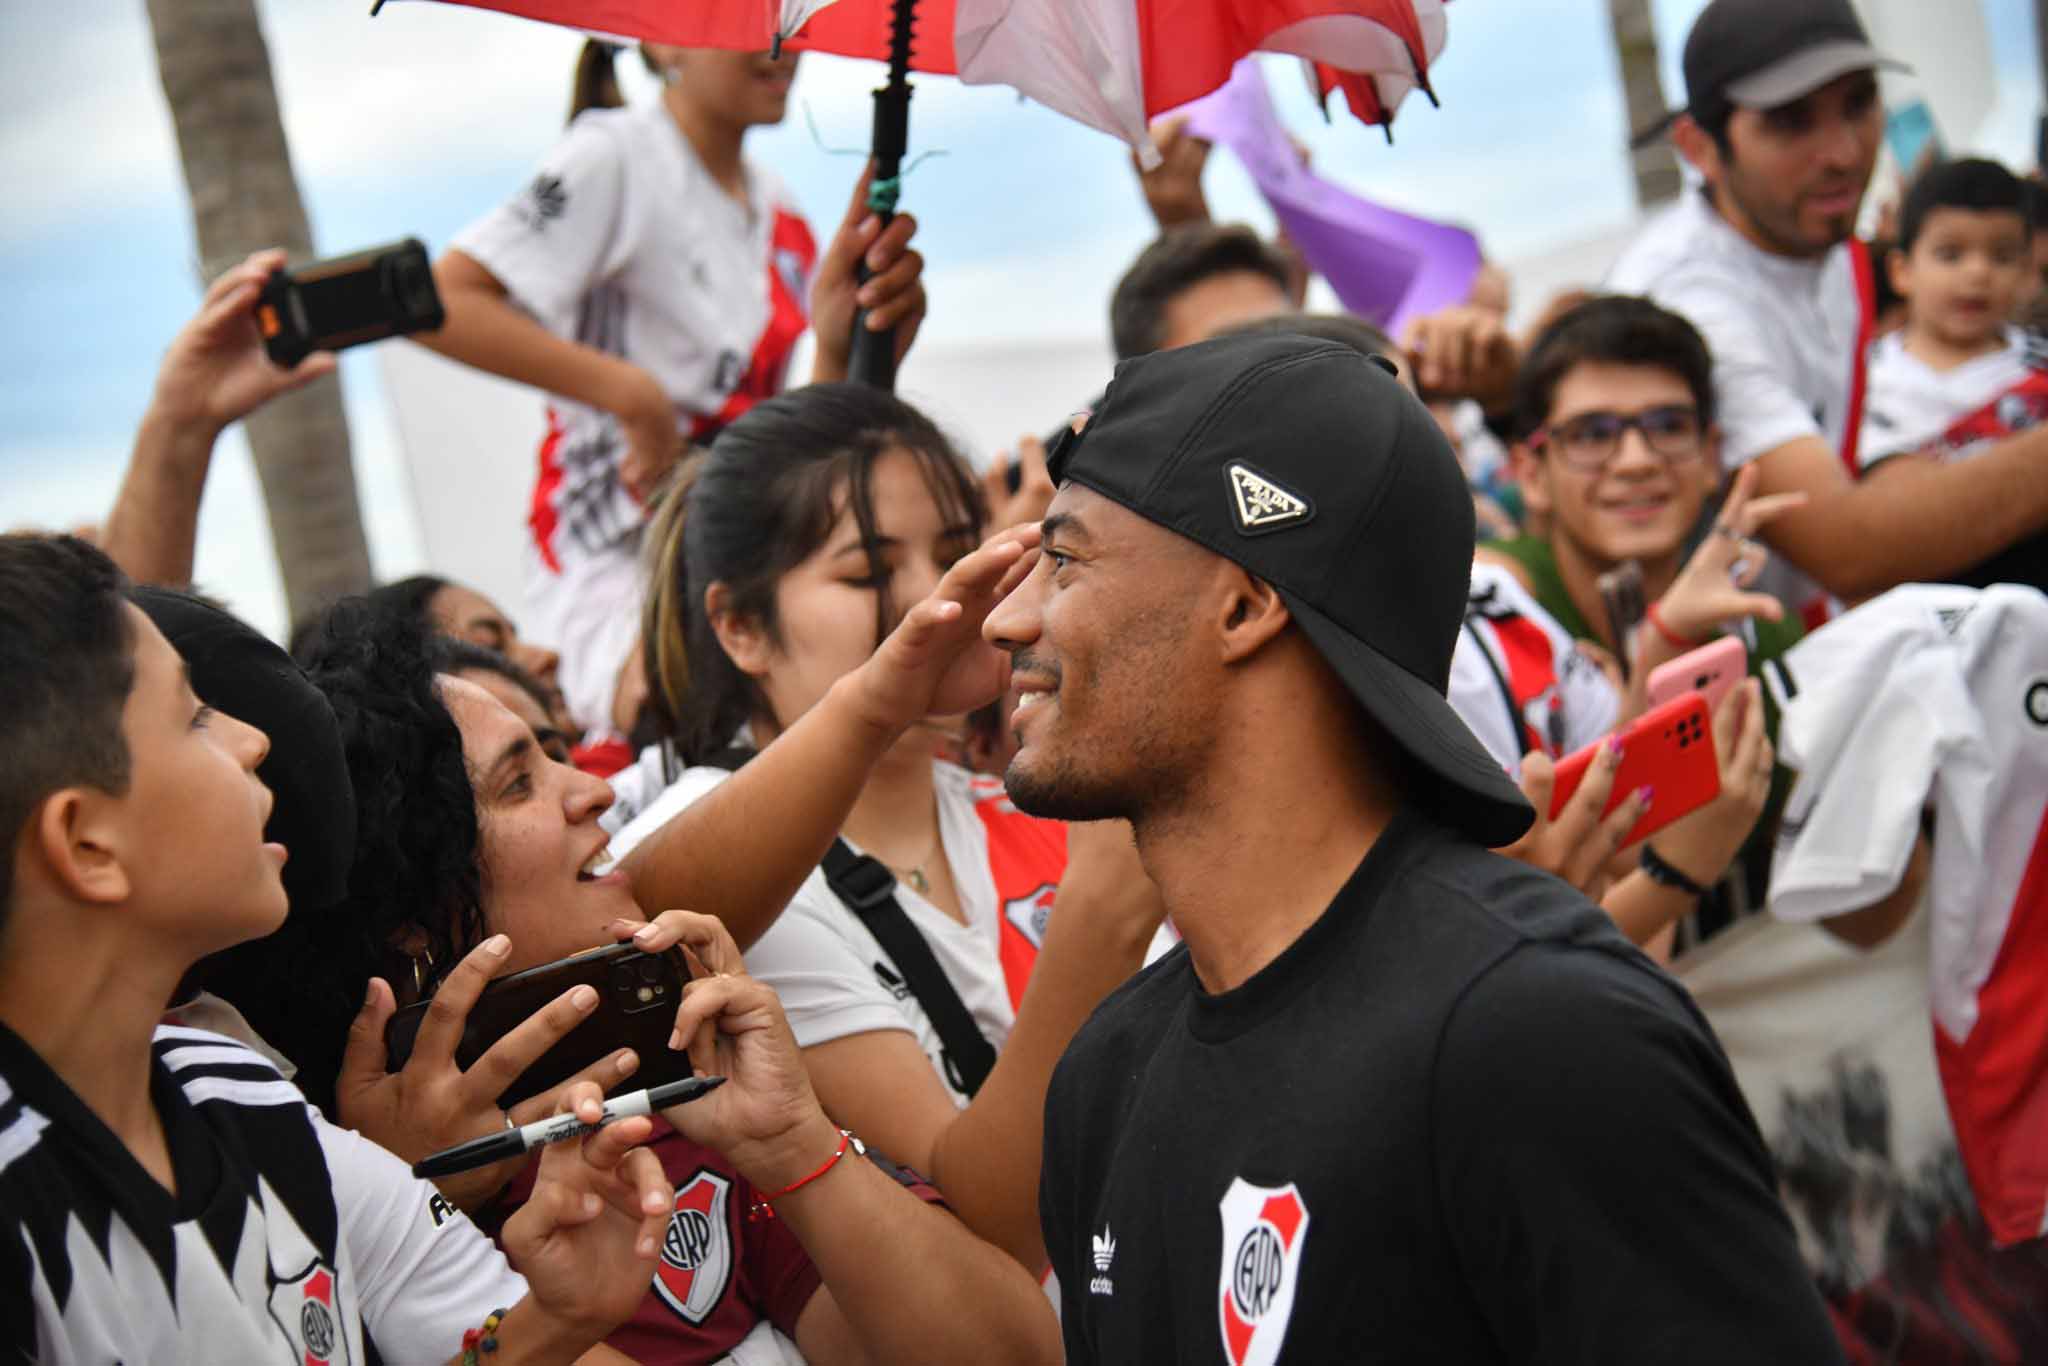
[1396,1097]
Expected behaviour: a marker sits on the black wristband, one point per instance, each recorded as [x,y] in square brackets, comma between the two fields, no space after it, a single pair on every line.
[1665,875]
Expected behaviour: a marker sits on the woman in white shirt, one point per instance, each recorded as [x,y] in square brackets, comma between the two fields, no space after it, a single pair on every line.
[781,558]
[653,280]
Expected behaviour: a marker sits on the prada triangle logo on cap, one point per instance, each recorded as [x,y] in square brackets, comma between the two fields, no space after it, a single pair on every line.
[1262,505]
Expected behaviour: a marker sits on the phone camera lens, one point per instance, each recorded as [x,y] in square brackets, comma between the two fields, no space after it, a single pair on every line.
[650,970]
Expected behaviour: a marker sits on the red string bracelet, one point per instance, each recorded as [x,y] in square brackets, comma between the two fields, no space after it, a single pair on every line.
[1671,637]
[762,1207]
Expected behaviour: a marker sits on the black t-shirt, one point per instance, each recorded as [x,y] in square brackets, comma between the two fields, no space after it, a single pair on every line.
[1460,1119]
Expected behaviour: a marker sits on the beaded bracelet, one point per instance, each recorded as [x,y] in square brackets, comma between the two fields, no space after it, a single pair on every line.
[482,1340]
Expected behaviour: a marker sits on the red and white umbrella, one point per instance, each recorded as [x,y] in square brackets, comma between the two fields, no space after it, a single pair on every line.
[1111,64]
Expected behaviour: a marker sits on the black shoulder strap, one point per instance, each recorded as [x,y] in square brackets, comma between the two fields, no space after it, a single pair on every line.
[868,889]
[1507,694]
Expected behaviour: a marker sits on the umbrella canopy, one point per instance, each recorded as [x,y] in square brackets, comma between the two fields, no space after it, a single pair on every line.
[1111,64]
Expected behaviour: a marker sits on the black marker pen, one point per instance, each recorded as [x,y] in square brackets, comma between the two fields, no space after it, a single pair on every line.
[481,1152]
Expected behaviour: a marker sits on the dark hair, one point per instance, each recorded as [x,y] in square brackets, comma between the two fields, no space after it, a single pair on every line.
[452,655]
[750,509]
[1971,183]
[67,664]
[596,85]
[1342,328]
[406,600]
[416,868]
[1177,260]
[1612,329]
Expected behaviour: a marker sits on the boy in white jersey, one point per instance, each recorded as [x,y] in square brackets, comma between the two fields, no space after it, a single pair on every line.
[165,1195]
[1959,376]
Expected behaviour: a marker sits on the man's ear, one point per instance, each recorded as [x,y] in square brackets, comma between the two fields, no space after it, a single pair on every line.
[1697,146]
[1249,613]
[1531,476]
[744,639]
[1900,272]
[75,838]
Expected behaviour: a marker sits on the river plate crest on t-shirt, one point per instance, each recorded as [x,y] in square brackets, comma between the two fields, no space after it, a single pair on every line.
[1264,1229]
[696,1252]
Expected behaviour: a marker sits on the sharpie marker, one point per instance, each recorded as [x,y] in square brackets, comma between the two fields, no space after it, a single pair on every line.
[481,1152]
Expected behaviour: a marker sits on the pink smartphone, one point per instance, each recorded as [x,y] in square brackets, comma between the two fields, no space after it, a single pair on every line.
[1712,669]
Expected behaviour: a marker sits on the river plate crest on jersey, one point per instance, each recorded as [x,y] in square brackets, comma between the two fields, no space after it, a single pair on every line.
[1264,1229]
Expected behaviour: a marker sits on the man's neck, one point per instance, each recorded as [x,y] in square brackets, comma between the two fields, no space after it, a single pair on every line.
[1581,571]
[1254,857]
[1942,354]
[88,1009]
[895,818]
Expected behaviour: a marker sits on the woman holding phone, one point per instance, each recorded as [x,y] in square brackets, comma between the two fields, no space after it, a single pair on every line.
[654,280]
[476,856]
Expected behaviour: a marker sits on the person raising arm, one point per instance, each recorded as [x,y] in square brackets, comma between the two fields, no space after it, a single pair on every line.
[653,280]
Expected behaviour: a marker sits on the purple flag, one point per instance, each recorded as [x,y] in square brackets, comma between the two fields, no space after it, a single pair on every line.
[1386,266]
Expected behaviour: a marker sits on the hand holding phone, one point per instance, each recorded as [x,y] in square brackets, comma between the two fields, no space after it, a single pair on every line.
[1711,670]
[426,1100]
[345,301]
[636,995]
[1669,750]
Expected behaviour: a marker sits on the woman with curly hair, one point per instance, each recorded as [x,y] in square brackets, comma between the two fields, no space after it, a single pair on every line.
[476,855]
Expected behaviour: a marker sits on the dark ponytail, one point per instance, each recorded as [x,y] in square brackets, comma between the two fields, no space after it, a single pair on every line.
[757,504]
[597,79]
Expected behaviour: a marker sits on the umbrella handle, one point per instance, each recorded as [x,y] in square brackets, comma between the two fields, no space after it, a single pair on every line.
[873,358]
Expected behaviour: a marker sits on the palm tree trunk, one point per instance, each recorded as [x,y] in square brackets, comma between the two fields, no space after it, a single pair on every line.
[216,76]
[1635,49]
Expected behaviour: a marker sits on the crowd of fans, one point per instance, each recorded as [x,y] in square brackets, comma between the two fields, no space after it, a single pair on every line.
[919,767]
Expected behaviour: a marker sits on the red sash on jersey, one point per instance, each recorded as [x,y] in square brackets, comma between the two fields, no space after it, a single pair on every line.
[1027,857]
[2023,406]
[1866,328]
[792,252]
[1996,1080]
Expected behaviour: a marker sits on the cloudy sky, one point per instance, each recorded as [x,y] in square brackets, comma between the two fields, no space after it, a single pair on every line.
[416,122]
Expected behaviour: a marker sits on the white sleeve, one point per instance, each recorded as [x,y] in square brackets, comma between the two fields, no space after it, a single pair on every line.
[822,964]
[554,241]
[1475,694]
[1591,705]
[1850,822]
[425,1273]
[1757,409]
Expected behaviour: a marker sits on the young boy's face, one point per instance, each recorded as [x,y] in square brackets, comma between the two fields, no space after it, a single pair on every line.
[188,833]
[1967,271]
[1642,499]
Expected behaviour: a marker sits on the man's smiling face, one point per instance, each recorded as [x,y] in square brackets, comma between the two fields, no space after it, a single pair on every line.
[1106,662]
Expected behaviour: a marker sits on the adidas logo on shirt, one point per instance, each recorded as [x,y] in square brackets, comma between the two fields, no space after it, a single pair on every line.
[1105,1253]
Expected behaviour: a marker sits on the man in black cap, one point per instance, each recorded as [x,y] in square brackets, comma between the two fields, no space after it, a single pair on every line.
[1782,122]
[1396,1098]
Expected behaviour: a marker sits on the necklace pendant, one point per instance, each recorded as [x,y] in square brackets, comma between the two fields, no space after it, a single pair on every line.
[919,883]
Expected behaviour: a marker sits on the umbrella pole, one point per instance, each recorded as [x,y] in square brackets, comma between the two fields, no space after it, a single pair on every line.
[873,359]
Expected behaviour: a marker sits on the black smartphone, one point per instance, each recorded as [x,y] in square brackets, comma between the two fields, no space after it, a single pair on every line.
[345,301]
[637,995]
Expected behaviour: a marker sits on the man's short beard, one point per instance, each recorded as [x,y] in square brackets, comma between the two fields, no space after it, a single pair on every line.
[1781,228]
[1065,795]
